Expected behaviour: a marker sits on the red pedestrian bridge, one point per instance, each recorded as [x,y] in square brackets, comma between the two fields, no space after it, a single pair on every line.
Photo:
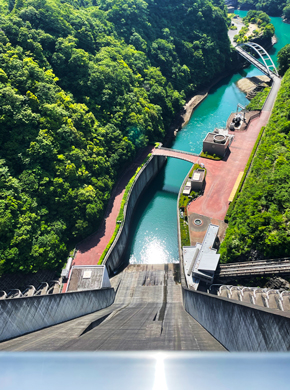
[187,156]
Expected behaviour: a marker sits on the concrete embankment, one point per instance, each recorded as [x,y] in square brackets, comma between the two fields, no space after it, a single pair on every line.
[239,326]
[24,315]
[115,254]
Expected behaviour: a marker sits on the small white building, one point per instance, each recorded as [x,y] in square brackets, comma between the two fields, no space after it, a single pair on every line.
[197,179]
[187,188]
[201,260]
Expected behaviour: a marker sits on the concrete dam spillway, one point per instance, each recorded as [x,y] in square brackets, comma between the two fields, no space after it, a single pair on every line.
[147,314]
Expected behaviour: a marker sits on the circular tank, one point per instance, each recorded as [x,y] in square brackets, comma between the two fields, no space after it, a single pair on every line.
[219,139]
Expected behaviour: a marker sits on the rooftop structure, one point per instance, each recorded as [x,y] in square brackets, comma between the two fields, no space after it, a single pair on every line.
[216,143]
[88,278]
[197,179]
[187,188]
[201,260]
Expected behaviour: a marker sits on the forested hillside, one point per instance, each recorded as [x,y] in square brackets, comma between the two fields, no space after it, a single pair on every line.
[83,86]
[259,225]
[271,7]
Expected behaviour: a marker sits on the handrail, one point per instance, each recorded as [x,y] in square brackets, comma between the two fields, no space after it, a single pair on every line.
[180,151]
[261,52]
[39,289]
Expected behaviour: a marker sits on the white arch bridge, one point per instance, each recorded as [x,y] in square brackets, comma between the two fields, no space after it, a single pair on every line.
[266,66]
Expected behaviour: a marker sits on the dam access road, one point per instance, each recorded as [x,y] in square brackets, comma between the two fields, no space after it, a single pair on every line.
[147,314]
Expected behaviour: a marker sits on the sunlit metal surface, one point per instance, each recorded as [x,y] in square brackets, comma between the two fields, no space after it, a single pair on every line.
[143,370]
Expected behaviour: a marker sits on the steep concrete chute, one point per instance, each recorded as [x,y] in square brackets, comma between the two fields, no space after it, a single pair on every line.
[147,314]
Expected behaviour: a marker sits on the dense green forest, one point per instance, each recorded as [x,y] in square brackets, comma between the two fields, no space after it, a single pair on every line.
[271,7]
[259,225]
[83,86]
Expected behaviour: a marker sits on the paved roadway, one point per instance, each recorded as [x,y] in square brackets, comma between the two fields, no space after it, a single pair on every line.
[231,33]
[147,315]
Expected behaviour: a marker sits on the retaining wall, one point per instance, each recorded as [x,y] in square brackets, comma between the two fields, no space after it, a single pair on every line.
[25,315]
[115,254]
[239,326]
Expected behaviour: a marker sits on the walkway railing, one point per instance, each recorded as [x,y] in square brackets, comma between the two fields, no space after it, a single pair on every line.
[269,68]
[179,151]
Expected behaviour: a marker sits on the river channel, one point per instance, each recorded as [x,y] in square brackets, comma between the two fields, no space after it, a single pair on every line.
[154,227]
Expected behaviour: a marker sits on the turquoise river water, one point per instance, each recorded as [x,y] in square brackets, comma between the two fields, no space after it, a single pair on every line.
[154,227]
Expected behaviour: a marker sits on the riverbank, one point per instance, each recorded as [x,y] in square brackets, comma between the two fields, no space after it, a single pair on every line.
[247,84]
[183,117]
[199,97]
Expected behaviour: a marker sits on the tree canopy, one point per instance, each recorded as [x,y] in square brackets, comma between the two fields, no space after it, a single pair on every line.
[271,7]
[84,84]
[284,60]
[264,29]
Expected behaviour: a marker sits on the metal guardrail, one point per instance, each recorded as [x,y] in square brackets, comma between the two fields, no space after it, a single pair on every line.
[252,118]
[265,68]
[43,288]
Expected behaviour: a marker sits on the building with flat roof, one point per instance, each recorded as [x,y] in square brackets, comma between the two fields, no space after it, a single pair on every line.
[88,277]
[197,179]
[201,260]
[187,188]
[215,143]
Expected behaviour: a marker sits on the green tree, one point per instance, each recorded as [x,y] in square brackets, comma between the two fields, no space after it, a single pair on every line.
[284,60]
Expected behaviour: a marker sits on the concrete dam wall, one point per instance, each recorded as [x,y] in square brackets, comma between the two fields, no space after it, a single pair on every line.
[239,326]
[115,254]
[24,315]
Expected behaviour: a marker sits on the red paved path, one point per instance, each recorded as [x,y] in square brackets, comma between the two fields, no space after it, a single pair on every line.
[222,175]
[90,250]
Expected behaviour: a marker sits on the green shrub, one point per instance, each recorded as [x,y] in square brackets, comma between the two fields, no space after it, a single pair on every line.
[258,101]
[209,156]
[184,233]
